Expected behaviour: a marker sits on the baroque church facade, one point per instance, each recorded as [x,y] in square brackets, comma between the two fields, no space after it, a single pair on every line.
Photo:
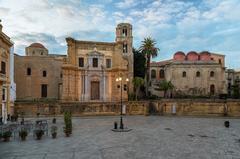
[92,69]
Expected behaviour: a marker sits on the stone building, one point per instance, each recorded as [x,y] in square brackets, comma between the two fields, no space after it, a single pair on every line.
[91,68]
[192,74]
[5,81]
[38,75]
[233,80]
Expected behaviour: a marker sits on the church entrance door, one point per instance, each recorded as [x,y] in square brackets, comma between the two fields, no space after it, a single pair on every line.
[95,90]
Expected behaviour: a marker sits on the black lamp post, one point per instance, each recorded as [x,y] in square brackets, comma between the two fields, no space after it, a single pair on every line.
[121,127]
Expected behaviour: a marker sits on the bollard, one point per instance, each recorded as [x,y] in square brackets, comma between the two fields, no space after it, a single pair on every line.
[54,120]
[22,122]
[227,124]
[8,117]
[1,121]
[115,125]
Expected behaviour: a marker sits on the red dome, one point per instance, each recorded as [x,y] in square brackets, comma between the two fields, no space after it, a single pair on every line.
[179,56]
[205,56]
[192,56]
[39,45]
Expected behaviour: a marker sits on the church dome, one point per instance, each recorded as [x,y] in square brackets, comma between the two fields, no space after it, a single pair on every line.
[38,45]
[192,56]
[205,56]
[179,56]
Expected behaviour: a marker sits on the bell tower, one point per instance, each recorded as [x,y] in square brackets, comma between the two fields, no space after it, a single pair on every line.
[125,39]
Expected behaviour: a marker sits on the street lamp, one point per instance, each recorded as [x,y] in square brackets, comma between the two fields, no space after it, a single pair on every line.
[121,127]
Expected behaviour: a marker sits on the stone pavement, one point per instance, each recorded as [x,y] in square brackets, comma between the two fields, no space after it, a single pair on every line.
[153,137]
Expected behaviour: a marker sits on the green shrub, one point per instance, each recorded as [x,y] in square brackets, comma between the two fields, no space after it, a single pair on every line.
[23,133]
[7,134]
[68,123]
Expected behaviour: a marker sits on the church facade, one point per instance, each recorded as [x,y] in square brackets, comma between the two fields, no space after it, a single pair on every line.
[192,74]
[99,71]
[38,75]
[6,46]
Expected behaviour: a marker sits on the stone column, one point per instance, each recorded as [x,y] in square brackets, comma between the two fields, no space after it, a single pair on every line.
[86,88]
[104,85]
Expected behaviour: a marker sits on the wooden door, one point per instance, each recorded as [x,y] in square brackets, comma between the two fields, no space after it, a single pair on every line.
[212,89]
[95,91]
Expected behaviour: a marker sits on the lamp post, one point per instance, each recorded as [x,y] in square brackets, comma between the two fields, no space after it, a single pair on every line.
[121,127]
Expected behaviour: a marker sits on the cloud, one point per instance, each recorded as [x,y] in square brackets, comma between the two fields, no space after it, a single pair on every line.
[4,11]
[175,24]
[126,4]
[51,42]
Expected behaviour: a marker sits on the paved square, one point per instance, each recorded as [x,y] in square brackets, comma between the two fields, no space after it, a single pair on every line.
[154,137]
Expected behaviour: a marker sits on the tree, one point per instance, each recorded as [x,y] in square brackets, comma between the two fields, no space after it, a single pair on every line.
[165,86]
[139,64]
[149,50]
[137,82]
[235,89]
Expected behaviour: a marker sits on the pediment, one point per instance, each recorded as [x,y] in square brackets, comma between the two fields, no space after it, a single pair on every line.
[4,54]
[95,53]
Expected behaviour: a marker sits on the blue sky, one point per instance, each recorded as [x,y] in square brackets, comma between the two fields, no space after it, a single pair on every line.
[212,25]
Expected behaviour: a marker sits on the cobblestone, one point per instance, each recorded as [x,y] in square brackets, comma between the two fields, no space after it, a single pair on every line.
[154,137]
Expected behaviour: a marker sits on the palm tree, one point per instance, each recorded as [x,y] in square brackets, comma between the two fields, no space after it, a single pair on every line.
[137,82]
[165,86]
[149,49]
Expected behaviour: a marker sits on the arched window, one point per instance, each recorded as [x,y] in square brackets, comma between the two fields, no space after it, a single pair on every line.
[125,48]
[184,74]
[44,73]
[212,74]
[153,74]
[124,32]
[219,61]
[212,89]
[161,74]
[198,74]
[29,71]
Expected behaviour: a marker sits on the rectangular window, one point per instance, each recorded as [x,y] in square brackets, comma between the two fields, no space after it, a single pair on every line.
[81,62]
[44,90]
[125,50]
[108,63]
[3,94]
[29,71]
[3,67]
[95,62]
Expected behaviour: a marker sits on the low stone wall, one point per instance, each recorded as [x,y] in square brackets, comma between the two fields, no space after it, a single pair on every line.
[157,107]
[77,108]
[198,107]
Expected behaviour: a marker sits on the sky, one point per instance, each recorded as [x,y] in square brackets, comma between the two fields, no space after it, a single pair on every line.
[176,25]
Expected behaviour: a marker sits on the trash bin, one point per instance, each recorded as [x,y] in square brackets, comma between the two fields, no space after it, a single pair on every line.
[227,124]
[115,125]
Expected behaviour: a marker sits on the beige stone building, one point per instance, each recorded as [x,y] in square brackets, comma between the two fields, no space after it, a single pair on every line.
[91,68]
[233,79]
[192,74]
[5,82]
[38,75]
